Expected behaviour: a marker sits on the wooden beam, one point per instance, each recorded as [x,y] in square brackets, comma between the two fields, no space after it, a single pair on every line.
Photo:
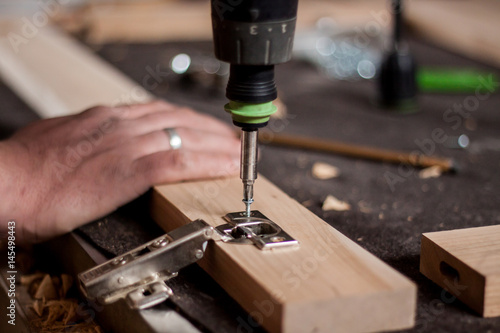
[468,27]
[466,263]
[327,284]
[55,75]
[155,21]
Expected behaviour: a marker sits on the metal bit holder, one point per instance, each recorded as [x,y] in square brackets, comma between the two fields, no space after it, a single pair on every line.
[139,275]
[255,229]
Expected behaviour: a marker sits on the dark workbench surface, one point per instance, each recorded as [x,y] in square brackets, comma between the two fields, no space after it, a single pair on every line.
[386,220]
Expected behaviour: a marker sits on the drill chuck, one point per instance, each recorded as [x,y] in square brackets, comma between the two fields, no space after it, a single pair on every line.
[253,36]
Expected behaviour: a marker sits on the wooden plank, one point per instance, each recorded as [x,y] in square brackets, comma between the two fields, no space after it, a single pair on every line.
[466,263]
[468,27]
[155,21]
[328,284]
[55,75]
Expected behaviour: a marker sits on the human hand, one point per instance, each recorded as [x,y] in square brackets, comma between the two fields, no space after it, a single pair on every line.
[60,173]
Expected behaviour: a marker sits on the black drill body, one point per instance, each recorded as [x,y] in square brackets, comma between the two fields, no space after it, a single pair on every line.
[253,36]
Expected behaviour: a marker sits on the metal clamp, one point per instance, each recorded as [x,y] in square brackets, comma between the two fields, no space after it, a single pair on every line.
[255,229]
[139,275]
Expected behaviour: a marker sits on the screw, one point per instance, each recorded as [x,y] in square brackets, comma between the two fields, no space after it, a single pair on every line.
[121,279]
[120,261]
[198,254]
[277,239]
[160,242]
[209,233]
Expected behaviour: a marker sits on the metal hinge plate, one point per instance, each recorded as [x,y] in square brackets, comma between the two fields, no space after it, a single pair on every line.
[139,276]
[255,229]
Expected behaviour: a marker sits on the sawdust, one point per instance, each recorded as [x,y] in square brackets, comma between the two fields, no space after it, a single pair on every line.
[54,311]
[332,203]
[430,172]
[322,170]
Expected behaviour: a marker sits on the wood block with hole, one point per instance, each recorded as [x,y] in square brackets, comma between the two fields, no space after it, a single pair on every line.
[466,263]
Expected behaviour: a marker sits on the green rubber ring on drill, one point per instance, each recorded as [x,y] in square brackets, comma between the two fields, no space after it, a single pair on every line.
[250,113]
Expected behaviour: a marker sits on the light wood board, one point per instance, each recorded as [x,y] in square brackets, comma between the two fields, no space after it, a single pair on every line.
[155,21]
[465,262]
[328,284]
[55,75]
[469,27]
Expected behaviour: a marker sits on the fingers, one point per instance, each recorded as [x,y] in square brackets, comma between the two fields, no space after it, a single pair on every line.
[133,111]
[122,124]
[197,131]
[180,118]
[192,140]
[101,116]
[205,141]
[179,165]
[139,110]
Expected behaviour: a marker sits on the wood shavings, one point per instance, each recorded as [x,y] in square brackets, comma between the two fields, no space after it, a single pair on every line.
[332,203]
[66,283]
[46,289]
[364,207]
[61,310]
[55,312]
[322,170]
[38,307]
[27,280]
[430,172]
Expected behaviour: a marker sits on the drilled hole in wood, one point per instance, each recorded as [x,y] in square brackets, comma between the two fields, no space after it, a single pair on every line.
[449,271]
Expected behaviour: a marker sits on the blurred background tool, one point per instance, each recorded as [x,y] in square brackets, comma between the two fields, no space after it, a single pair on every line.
[364,152]
[455,80]
[397,85]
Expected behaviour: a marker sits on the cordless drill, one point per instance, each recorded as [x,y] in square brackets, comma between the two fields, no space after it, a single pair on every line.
[252,36]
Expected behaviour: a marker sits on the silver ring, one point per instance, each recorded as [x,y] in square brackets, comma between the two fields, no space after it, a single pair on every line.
[175,139]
